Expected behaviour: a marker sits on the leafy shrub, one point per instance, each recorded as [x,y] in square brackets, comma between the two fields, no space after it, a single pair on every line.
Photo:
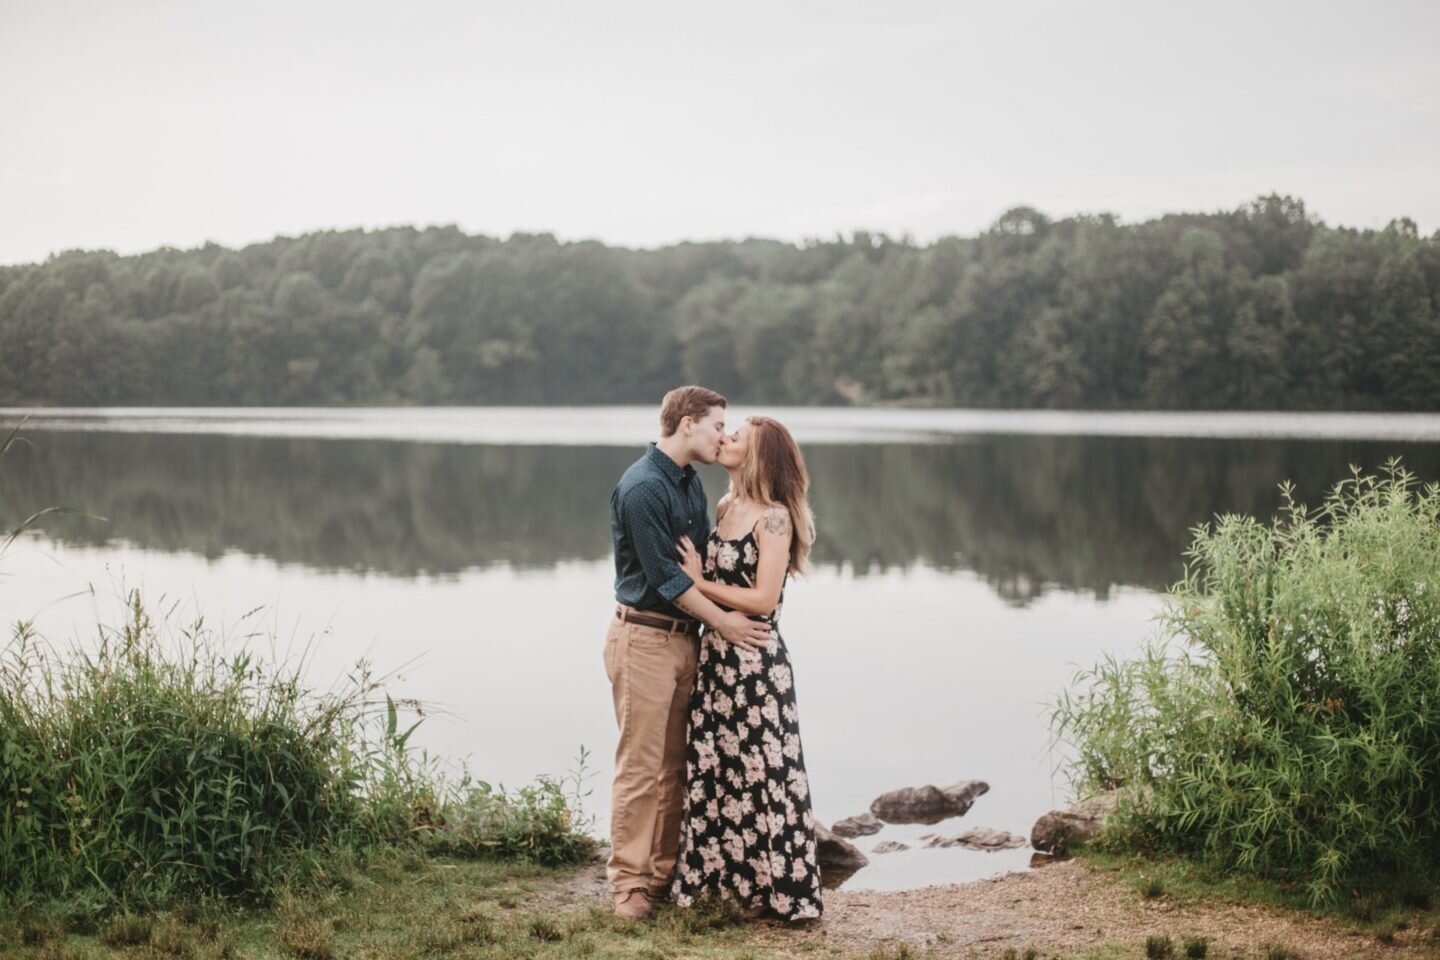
[534,823]
[1285,722]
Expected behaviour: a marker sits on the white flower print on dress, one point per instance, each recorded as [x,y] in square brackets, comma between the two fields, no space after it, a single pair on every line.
[731,809]
[747,829]
[729,743]
[773,756]
[771,711]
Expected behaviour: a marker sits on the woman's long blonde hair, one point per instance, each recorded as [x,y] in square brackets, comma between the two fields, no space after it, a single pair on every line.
[774,474]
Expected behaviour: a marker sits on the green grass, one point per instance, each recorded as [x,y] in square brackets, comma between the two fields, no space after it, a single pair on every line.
[1158,947]
[396,906]
[158,768]
[1285,723]
[1380,911]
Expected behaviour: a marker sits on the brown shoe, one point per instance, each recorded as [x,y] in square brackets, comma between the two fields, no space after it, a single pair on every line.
[633,904]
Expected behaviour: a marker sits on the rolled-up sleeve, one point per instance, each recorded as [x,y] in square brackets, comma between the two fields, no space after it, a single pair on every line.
[645,516]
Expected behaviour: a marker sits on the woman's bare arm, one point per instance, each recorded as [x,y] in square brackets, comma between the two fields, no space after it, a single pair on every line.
[772,538]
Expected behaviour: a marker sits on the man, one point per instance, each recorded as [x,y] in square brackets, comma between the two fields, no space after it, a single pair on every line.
[652,645]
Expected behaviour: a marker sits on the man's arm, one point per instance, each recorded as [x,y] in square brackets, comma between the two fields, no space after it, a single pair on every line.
[646,519]
[734,626]
[645,516]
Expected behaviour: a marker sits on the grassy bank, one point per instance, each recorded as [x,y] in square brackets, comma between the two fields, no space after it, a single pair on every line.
[1285,727]
[407,906]
[161,768]
[400,905]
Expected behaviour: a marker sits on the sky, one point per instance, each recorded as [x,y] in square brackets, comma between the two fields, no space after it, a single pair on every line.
[146,123]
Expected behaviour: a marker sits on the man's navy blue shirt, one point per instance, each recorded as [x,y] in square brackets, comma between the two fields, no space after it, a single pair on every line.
[655,503]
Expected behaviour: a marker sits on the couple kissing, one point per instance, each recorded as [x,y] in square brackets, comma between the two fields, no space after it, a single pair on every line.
[710,798]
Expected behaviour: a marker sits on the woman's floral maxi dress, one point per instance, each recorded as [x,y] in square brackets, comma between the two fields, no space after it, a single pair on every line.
[747,832]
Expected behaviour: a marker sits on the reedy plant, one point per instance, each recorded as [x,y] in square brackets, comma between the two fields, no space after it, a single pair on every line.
[133,774]
[158,768]
[1285,722]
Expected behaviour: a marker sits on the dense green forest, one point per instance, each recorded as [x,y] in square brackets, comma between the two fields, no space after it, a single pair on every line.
[1264,307]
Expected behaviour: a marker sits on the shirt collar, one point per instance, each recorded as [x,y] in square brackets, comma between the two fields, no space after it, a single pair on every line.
[678,475]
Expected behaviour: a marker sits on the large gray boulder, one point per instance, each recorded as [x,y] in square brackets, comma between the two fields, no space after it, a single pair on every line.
[927,804]
[862,826]
[837,858]
[1061,831]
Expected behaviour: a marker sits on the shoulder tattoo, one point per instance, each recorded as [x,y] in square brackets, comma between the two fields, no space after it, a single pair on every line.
[777,521]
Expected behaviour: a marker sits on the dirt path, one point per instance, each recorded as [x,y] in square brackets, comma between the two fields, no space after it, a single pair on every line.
[1065,909]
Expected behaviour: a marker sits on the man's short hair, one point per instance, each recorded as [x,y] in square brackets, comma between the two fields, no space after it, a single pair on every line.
[682,402]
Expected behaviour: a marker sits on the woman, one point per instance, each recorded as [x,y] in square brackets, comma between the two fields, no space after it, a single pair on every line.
[747,832]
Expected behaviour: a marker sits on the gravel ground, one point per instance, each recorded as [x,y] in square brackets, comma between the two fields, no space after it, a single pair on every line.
[1065,909]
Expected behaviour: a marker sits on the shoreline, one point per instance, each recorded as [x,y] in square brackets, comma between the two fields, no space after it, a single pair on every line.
[405,906]
[1069,908]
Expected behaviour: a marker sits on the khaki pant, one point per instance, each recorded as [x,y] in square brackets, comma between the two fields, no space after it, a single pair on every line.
[651,675]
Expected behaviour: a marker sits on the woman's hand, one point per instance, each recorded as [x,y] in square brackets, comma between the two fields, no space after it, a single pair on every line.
[690,559]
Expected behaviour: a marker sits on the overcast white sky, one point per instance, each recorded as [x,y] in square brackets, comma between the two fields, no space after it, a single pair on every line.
[131,124]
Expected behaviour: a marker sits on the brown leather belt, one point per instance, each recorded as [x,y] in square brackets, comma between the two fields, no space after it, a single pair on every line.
[668,624]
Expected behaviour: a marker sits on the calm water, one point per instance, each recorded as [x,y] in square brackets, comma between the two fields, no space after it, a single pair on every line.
[967,563]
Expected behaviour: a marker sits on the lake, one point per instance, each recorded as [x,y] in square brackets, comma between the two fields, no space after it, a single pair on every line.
[967,564]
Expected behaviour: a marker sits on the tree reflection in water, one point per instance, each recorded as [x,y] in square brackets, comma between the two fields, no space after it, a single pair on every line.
[1025,513]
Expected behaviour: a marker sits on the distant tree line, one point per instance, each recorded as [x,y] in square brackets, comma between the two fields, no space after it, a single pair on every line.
[1264,307]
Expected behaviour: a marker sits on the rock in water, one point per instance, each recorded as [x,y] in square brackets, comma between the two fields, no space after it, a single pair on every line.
[977,838]
[862,826]
[1061,831]
[927,804]
[983,838]
[889,846]
[837,858]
